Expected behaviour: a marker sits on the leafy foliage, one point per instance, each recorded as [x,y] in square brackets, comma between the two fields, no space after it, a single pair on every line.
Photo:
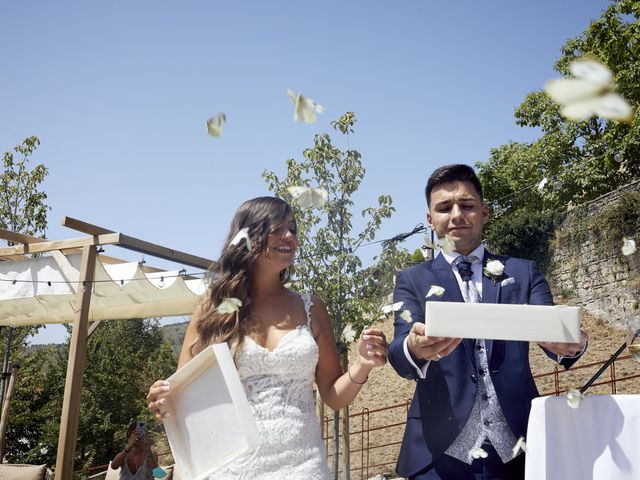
[22,210]
[524,234]
[584,159]
[328,264]
[617,220]
[123,358]
[22,207]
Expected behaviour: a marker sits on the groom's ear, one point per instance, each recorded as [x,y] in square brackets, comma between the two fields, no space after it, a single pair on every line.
[429,220]
[485,213]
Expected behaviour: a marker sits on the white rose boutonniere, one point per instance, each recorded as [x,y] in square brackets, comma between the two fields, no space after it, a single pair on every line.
[493,270]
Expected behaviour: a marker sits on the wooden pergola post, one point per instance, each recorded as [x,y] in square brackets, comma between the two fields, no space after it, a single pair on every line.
[75,368]
[5,407]
[78,349]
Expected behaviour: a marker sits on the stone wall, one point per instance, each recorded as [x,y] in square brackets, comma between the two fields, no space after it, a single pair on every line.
[604,282]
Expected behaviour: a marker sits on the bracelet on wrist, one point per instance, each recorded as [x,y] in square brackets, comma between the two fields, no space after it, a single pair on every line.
[354,381]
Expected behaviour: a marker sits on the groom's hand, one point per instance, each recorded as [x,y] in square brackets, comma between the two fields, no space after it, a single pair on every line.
[423,347]
[566,349]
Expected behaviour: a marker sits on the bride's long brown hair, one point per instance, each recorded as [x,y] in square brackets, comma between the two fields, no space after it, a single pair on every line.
[231,276]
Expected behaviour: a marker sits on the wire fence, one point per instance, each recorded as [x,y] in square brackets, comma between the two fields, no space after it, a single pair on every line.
[376,434]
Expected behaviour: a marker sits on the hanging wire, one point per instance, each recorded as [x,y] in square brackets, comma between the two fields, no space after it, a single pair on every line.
[420,228]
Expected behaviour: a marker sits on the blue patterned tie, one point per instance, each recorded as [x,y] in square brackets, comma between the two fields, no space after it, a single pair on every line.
[463,264]
[464,269]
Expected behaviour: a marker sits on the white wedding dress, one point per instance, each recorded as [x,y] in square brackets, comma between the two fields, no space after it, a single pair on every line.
[279,386]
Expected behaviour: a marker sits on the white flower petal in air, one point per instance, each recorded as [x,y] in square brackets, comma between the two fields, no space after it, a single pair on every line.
[574,398]
[435,290]
[493,268]
[309,197]
[243,234]
[590,93]
[215,125]
[394,307]
[428,243]
[229,305]
[304,109]
[542,183]
[477,452]
[406,316]
[628,246]
[520,445]
[447,245]
[348,334]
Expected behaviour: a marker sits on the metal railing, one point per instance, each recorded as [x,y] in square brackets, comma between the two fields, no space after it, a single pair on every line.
[372,454]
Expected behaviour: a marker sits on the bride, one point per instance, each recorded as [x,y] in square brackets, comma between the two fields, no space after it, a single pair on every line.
[281,342]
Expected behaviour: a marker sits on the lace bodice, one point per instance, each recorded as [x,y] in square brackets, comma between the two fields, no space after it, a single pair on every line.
[279,386]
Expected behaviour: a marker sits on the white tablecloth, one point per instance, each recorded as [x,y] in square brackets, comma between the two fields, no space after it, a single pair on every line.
[598,441]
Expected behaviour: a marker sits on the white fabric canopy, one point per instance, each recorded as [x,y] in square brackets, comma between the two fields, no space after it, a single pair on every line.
[45,293]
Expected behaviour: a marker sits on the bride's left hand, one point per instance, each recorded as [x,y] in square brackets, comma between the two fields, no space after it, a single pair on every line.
[373,347]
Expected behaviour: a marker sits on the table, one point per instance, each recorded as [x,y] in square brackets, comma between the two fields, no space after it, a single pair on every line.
[598,441]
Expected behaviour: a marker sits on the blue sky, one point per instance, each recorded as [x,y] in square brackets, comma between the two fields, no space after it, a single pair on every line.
[119,93]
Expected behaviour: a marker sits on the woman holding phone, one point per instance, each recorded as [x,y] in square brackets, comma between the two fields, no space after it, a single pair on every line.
[136,460]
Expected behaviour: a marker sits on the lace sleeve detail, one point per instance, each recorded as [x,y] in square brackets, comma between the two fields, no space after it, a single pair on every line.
[308,302]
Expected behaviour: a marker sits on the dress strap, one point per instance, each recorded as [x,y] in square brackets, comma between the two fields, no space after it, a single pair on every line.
[308,302]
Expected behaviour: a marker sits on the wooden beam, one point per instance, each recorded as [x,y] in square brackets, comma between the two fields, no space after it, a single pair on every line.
[108,239]
[140,246]
[70,274]
[75,369]
[16,237]
[93,327]
[163,252]
[22,238]
[4,416]
[84,227]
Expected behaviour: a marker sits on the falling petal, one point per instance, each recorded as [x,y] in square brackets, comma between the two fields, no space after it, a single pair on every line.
[387,309]
[542,183]
[628,246]
[590,93]
[406,316]
[428,243]
[215,125]
[447,245]
[435,290]
[591,70]
[348,334]
[304,109]
[229,305]
[520,445]
[574,398]
[308,197]
[243,234]
[477,452]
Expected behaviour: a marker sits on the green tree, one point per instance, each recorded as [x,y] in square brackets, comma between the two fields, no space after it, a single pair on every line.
[123,358]
[22,210]
[328,263]
[581,160]
[22,203]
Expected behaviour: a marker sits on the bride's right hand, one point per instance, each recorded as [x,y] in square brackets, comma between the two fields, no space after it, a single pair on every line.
[157,398]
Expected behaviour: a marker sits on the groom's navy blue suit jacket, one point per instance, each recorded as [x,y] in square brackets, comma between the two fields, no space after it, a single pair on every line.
[444,399]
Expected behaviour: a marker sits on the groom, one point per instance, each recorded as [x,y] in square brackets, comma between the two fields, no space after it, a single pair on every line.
[470,394]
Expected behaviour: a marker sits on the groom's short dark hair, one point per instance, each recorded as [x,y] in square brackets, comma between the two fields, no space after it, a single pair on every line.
[452,173]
